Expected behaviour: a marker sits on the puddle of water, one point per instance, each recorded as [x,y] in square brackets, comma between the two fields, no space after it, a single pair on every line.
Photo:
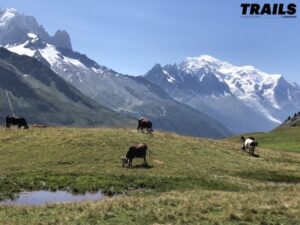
[45,197]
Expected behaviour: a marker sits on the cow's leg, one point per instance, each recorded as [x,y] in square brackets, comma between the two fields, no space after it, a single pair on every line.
[145,161]
[251,151]
[243,148]
[124,161]
[130,163]
[7,127]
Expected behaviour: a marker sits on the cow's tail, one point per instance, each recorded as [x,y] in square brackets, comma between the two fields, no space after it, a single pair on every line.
[149,153]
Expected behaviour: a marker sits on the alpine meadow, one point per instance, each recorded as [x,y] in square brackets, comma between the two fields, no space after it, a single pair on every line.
[149,113]
[189,181]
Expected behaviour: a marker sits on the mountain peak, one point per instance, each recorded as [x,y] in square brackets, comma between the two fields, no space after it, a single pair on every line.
[157,66]
[15,27]
[61,39]
[202,59]
[193,64]
[207,58]
[6,15]
[198,77]
[9,10]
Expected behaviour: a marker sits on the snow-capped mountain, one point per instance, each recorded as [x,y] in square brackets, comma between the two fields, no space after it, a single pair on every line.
[43,97]
[134,96]
[242,97]
[15,27]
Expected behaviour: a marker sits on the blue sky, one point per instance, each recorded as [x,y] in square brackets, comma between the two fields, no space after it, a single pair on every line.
[130,36]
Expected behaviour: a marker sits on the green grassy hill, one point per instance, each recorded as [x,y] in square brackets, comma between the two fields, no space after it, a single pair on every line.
[283,139]
[291,121]
[191,180]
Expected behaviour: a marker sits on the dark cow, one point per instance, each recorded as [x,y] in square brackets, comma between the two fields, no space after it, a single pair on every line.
[137,151]
[249,143]
[145,124]
[19,121]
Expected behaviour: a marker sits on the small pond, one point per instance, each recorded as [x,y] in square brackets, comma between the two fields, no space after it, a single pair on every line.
[45,197]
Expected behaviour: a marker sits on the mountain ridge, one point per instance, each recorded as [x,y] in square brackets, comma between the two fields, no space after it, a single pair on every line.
[205,82]
[131,96]
[15,26]
[41,96]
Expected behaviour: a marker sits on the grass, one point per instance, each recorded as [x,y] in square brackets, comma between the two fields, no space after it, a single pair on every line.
[193,207]
[284,139]
[190,180]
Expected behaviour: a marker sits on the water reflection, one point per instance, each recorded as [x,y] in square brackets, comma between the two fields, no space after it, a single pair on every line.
[44,197]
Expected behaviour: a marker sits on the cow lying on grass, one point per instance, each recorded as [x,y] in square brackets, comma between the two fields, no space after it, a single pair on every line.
[137,151]
[38,126]
[249,143]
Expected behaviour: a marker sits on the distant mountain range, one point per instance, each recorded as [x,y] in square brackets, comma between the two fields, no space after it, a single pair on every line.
[199,96]
[127,95]
[242,98]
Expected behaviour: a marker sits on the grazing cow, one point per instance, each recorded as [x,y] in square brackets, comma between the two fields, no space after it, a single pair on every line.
[249,143]
[144,124]
[13,120]
[137,151]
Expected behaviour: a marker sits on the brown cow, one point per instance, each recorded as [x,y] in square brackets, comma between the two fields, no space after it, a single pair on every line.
[136,151]
[144,123]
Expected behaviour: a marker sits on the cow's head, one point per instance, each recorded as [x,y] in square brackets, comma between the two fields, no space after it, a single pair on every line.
[124,161]
[253,144]
[26,127]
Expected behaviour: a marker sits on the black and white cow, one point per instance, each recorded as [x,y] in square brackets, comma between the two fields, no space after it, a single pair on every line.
[249,143]
[136,151]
